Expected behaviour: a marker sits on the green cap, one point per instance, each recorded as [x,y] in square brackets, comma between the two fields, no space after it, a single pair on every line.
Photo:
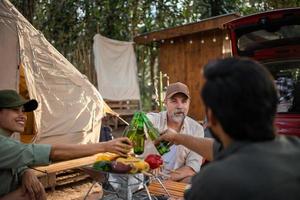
[11,99]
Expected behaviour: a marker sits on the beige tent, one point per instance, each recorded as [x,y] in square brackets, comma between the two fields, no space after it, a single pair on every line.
[70,107]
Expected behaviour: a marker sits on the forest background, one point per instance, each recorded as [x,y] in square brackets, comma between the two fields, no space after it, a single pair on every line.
[70,26]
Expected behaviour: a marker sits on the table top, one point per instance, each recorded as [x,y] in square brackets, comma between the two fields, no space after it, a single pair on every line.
[65,165]
[176,189]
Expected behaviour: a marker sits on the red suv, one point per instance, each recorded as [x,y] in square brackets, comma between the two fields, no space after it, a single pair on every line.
[273,38]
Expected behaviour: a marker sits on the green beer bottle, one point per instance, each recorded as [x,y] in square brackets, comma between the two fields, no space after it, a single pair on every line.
[138,138]
[153,133]
[135,133]
[131,130]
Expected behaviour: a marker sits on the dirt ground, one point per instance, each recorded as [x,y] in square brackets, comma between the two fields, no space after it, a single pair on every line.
[75,191]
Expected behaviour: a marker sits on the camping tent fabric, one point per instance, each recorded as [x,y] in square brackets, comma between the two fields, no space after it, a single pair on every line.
[116,68]
[70,107]
[8,50]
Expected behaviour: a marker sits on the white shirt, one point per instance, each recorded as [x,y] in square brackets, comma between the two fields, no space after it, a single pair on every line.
[179,156]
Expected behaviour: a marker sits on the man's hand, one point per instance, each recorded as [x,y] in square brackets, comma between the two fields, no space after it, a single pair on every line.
[169,135]
[182,174]
[32,186]
[120,146]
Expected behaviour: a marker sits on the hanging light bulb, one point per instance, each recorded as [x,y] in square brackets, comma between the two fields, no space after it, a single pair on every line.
[226,37]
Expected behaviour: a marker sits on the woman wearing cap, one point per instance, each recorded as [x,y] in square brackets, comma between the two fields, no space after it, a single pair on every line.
[20,182]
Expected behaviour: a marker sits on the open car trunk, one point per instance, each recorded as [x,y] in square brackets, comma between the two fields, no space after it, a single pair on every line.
[273,38]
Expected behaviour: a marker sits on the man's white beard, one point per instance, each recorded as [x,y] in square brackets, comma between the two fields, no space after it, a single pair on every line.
[178,118]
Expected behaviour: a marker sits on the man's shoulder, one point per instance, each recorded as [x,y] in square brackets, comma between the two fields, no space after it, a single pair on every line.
[194,127]
[193,122]
[154,114]
[216,169]
[217,173]
[211,179]
[157,117]
[291,141]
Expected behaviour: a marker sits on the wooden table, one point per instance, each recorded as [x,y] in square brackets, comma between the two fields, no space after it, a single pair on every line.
[47,174]
[176,189]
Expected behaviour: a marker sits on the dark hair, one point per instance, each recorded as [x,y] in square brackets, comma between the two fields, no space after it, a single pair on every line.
[242,96]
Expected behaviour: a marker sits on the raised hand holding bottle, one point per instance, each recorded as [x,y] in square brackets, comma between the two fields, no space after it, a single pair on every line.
[163,146]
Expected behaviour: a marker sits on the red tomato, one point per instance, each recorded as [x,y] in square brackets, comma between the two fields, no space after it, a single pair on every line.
[154,161]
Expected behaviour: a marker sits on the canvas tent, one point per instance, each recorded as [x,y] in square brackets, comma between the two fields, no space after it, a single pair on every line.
[70,108]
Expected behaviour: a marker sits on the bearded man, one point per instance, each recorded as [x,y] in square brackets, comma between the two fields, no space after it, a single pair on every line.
[180,162]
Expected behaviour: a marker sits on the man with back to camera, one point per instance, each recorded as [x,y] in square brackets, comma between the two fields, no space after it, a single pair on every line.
[20,181]
[181,162]
[255,163]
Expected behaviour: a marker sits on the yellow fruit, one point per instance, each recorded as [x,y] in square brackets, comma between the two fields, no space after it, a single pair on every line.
[137,164]
[128,160]
[146,167]
[142,166]
[122,160]
[107,156]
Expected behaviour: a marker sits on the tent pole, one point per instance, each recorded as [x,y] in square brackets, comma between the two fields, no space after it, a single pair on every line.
[123,120]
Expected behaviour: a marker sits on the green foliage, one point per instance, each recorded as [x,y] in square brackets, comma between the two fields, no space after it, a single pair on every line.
[71,24]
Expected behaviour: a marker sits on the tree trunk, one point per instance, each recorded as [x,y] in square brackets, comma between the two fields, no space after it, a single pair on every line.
[28,9]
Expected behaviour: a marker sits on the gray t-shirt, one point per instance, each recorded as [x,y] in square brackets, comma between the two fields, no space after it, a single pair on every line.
[251,170]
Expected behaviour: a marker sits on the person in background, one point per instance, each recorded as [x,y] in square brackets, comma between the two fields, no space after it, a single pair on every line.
[106,131]
[18,181]
[255,163]
[285,88]
[180,162]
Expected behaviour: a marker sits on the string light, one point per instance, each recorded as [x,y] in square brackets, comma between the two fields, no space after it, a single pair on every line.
[202,41]
[162,41]
[172,42]
[191,41]
[214,38]
[226,37]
